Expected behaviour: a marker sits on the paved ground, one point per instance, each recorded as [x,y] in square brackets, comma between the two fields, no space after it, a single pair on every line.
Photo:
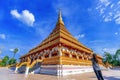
[6,74]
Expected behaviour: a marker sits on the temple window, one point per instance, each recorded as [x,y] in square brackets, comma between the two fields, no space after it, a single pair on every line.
[73,56]
[40,57]
[84,58]
[66,54]
[35,58]
[47,55]
[55,54]
[80,57]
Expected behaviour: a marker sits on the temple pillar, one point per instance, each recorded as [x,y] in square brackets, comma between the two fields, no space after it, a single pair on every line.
[87,57]
[50,55]
[77,56]
[27,71]
[60,52]
[70,55]
[82,58]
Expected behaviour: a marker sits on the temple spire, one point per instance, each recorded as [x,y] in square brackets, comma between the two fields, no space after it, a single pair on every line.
[60,21]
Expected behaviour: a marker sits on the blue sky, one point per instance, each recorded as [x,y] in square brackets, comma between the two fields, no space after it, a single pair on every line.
[25,23]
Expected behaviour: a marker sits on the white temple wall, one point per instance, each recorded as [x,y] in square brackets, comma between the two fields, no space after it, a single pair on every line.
[62,70]
[48,69]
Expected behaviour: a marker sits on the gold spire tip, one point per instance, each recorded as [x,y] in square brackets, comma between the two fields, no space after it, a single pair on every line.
[60,17]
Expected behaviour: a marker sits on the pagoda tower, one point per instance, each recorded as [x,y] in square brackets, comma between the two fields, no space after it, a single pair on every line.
[59,54]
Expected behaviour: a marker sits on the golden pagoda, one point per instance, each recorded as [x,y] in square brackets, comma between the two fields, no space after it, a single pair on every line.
[59,54]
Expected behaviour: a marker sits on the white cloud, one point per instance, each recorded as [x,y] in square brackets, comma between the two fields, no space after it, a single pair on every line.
[112,5]
[100,46]
[110,14]
[96,41]
[80,36]
[11,50]
[117,20]
[26,17]
[105,2]
[107,19]
[110,50]
[118,2]
[101,6]
[102,10]
[109,10]
[2,36]
[117,14]
[116,33]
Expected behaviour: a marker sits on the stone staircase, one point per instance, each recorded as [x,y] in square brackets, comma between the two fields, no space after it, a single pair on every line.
[35,68]
[22,69]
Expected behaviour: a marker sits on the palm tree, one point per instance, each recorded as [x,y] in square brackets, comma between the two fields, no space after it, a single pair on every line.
[15,51]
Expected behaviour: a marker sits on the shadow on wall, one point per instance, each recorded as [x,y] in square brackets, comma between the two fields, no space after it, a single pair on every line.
[112,78]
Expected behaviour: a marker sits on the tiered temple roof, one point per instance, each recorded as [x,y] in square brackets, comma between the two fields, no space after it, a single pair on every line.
[59,35]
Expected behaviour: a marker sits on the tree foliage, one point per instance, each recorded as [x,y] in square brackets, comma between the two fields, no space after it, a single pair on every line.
[107,57]
[15,51]
[112,59]
[118,54]
[12,61]
[4,61]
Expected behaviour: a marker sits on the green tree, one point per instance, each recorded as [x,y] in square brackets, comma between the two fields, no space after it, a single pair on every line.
[118,54]
[107,57]
[4,61]
[12,61]
[117,57]
[112,59]
[15,51]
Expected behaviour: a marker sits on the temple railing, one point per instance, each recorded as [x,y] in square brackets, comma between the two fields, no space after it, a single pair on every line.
[34,62]
[28,64]
[21,64]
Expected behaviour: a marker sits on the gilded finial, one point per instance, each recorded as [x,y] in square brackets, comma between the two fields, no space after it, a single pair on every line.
[60,17]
